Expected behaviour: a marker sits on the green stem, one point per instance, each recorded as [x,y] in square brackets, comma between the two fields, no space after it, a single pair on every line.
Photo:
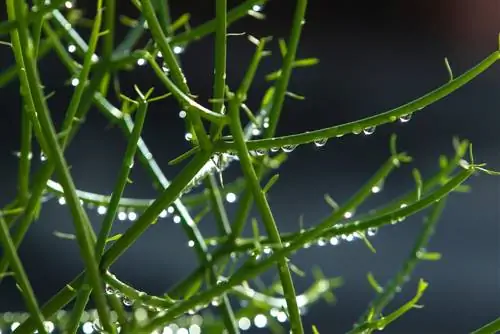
[110,216]
[37,104]
[382,118]
[381,301]
[220,60]
[6,27]
[25,157]
[150,215]
[286,70]
[252,269]
[490,328]
[210,26]
[266,214]
[21,277]
[175,70]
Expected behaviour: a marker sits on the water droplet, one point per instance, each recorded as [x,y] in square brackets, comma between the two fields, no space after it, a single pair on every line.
[170,209]
[182,114]
[191,243]
[256,132]
[68,4]
[267,250]
[122,216]
[178,49]
[368,131]
[215,302]
[260,321]
[372,231]
[132,216]
[87,328]
[244,323]
[348,214]
[127,302]
[163,214]
[62,200]
[159,54]
[334,241]
[320,142]
[257,8]
[260,152]
[71,48]
[231,197]
[43,157]
[101,209]
[177,219]
[288,148]
[281,317]
[141,62]
[275,149]
[376,189]
[405,118]
[109,290]
[221,281]
[321,242]
[75,82]
[188,136]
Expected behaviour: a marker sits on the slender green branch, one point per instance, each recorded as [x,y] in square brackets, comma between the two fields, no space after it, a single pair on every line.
[254,268]
[7,26]
[266,214]
[220,61]
[110,216]
[378,304]
[210,26]
[492,327]
[20,275]
[25,155]
[37,104]
[286,70]
[175,70]
[383,118]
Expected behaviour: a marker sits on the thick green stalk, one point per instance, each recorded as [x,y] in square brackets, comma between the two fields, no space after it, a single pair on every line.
[110,216]
[266,214]
[21,278]
[37,104]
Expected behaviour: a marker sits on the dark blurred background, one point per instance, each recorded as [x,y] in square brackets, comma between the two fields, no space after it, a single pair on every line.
[373,56]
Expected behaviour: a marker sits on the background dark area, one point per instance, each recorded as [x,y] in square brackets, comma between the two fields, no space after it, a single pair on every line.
[374,56]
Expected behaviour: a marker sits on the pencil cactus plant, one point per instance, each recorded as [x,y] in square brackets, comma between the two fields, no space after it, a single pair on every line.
[219,137]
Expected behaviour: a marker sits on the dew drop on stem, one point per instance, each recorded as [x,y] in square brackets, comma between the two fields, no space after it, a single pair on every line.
[369,130]
[274,149]
[405,118]
[288,148]
[372,231]
[127,302]
[320,142]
